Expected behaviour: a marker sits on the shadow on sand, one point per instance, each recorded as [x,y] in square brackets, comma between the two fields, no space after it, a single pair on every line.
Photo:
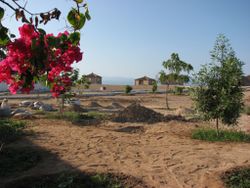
[26,165]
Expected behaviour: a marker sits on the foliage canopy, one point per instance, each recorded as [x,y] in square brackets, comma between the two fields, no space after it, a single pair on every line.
[218,94]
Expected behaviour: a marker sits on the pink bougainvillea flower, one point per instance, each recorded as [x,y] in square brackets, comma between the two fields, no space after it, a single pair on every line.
[33,56]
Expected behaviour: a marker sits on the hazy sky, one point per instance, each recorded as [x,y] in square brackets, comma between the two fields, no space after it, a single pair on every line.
[131,38]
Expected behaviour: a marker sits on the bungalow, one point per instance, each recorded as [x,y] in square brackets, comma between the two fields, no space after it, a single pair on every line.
[144,81]
[94,78]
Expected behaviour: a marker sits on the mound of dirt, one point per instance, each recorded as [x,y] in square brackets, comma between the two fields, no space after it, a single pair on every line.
[137,113]
[95,104]
[75,108]
[115,105]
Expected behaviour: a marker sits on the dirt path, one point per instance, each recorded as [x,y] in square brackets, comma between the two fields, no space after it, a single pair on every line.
[162,155]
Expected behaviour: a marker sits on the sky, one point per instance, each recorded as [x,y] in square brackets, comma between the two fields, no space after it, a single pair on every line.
[131,38]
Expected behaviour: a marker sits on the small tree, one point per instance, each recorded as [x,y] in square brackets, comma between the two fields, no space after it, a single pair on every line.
[178,90]
[218,94]
[82,82]
[74,76]
[128,89]
[176,67]
[154,87]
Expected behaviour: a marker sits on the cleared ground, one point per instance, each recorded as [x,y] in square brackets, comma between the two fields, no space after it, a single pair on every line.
[161,154]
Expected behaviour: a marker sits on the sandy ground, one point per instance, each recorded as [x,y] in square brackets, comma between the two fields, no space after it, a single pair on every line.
[161,154]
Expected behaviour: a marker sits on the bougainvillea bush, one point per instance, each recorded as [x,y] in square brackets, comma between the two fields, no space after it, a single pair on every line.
[36,57]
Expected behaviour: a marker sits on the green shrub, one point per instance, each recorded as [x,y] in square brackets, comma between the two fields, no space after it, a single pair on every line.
[154,87]
[178,90]
[96,115]
[224,135]
[237,178]
[218,94]
[128,89]
[10,130]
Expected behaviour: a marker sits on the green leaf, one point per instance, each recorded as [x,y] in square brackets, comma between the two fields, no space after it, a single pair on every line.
[75,38]
[53,42]
[79,1]
[64,37]
[81,21]
[76,20]
[4,38]
[41,31]
[1,13]
[2,54]
[33,44]
[87,15]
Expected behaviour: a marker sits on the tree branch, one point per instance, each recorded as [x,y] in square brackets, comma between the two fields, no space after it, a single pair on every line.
[23,8]
[19,6]
[9,5]
[32,14]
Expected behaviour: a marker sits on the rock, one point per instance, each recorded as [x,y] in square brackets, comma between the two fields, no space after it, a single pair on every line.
[4,104]
[16,111]
[5,109]
[74,101]
[46,108]
[5,112]
[25,103]
[23,115]
[36,105]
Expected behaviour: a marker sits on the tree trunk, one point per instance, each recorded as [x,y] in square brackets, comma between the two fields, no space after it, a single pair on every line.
[167,88]
[217,126]
[38,93]
[62,104]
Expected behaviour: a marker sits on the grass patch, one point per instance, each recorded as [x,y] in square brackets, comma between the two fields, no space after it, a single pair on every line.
[10,130]
[69,116]
[75,116]
[97,115]
[71,180]
[224,135]
[237,178]
[14,160]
